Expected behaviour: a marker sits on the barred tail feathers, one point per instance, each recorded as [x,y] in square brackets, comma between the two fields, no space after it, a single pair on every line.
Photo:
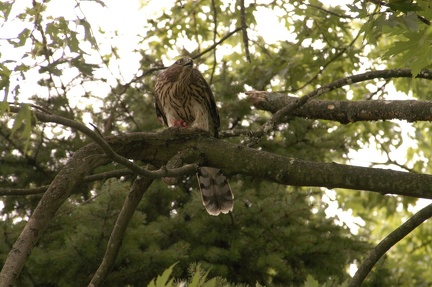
[216,193]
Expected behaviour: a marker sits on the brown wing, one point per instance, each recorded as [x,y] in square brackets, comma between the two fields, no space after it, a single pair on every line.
[159,110]
[163,81]
[201,83]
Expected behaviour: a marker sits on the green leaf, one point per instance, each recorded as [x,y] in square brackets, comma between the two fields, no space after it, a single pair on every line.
[52,69]
[83,67]
[414,53]
[4,106]
[422,60]
[88,35]
[405,7]
[24,120]
[5,8]
[411,22]
[162,280]
[23,37]
[74,43]
[199,278]
[211,283]
[4,79]
[22,68]
[311,282]
[195,279]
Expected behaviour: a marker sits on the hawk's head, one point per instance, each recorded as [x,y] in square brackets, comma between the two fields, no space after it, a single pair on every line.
[188,62]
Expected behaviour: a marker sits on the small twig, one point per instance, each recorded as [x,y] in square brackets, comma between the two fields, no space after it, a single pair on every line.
[215,29]
[90,178]
[238,132]
[23,191]
[424,20]
[329,12]
[379,89]
[388,242]
[335,57]
[109,174]
[217,43]
[244,30]
[45,45]
[96,129]
[390,160]
[138,78]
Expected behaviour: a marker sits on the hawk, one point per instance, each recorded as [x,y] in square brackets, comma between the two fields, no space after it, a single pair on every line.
[183,98]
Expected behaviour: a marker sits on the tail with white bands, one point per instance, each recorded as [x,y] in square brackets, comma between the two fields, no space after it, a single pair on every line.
[216,193]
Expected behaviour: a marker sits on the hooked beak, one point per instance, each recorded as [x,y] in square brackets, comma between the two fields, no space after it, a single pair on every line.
[189,63]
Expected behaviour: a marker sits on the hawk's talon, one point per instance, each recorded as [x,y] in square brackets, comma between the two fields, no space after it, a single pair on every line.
[179,123]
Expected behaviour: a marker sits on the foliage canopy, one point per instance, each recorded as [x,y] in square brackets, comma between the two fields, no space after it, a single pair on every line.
[60,71]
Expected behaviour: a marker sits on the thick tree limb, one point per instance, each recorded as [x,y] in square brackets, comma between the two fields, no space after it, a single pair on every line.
[236,159]
[158,148]
[134,197]
[70,176]
[345,111]
[393,238]
[288,110]
[279,116]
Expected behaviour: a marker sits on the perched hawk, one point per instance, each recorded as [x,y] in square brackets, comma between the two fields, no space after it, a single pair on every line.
[183,98]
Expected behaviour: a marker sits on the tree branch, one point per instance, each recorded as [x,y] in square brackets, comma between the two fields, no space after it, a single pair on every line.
[388,242]
[218,42]
[136,193]
[41,189]
[345,111]
[279,116]
[244,30]
[329,62]
[70,176]
[106,148]
[158,148]
[23,191]
[329,12]
[215,33]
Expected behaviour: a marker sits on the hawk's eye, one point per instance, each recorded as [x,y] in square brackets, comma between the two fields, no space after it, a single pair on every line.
[184,62]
